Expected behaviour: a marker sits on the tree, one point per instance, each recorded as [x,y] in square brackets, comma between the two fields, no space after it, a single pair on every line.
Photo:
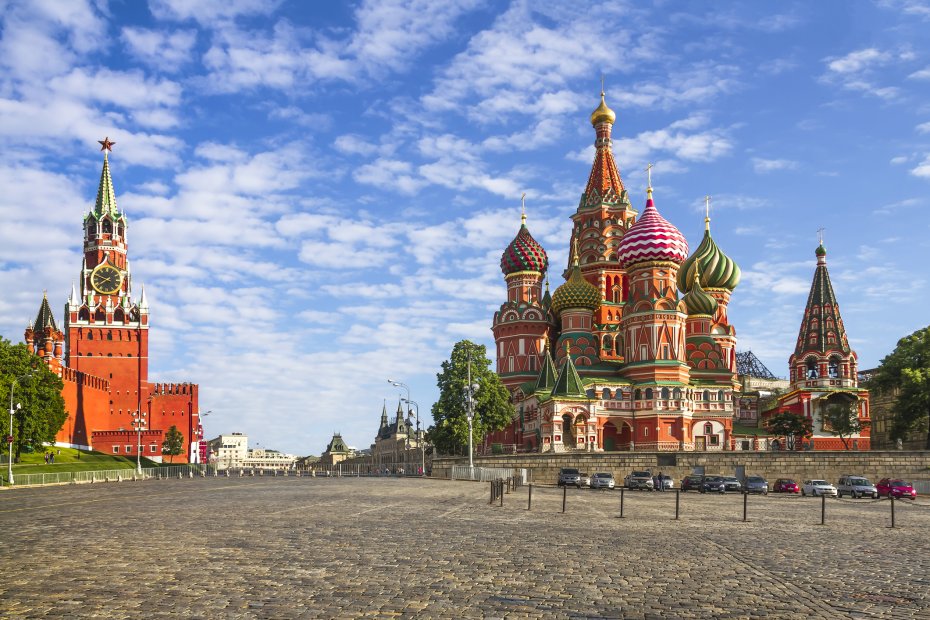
[38,391]
[173,443]
[791,426]
[907,370]
[493,410]
[842,419]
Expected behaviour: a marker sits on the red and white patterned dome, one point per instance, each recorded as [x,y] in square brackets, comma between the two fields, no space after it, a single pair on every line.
[651,238]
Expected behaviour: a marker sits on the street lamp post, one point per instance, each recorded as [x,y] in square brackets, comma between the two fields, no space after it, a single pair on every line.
[138,422]
[419,438]
[469,393]
[9,439]
[200,435]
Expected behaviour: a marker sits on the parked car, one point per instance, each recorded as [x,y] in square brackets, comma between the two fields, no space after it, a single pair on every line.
[896,488]
[786,485]
[818,487]
[692,482]
[856,487]
[603,481]
[713,484]
[584,480]
[641,480]
[733,484]
[569,475]
[664,480]
[757,484]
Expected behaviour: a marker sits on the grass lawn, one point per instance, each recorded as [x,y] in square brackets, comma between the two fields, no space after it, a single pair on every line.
[72,459]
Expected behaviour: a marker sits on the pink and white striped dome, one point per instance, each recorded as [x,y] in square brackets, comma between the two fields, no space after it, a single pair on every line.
[652,237]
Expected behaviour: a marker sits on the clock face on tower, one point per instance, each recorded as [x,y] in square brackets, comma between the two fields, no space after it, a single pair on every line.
[106,279]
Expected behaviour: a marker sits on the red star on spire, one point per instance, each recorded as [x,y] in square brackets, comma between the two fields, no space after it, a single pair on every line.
[106,144]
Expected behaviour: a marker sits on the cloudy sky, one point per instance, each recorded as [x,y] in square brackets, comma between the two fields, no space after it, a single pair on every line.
[319,193]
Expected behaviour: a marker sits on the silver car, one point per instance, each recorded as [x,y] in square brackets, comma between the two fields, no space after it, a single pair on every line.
[856,487]
[603,481]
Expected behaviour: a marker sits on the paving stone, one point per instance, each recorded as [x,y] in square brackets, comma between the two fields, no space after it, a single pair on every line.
[381,548]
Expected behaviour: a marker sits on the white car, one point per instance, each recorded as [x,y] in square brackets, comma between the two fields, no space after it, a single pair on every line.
[818,487]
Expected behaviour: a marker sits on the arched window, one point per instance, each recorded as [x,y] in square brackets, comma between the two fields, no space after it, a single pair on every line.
[708,428]
[608,344]
[812,368]
[84,315]
[605,394]
[648,393]
[676,394]
[107,226]
[90,334]
[121,230]
[706,396]
[833,368]
[99,316]
[110,334]
[665,393]
[119,316]
[638,394]
[91,228]
[720,395]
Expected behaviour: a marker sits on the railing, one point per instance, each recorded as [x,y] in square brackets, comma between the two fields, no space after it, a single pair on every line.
[113,475]
[486,474]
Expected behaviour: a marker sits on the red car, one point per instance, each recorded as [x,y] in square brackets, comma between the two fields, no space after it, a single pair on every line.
[897,488]
[786,485]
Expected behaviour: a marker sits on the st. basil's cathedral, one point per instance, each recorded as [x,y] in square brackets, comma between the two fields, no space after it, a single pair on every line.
[635,351]
[102,355]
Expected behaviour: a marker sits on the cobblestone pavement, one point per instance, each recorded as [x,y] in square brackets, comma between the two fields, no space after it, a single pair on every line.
[347,548]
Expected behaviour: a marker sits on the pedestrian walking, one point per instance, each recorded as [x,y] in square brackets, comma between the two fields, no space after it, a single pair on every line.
[661,482]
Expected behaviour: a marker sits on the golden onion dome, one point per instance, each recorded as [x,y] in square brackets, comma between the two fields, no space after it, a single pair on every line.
[576,292]
[603,114]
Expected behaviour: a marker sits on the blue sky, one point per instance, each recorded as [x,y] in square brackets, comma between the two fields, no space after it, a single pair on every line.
[319,193]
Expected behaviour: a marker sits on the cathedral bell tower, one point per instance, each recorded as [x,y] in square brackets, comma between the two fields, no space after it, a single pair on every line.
[107,330]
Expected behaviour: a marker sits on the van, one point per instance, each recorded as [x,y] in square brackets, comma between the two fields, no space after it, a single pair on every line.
[856,487]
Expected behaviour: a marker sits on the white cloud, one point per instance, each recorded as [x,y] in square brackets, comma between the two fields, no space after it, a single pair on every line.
[855,71]
[923,169]
[900,159]
[855,62]
[923,127]
[390,174]
[208,12]
[922,74]
[161,50]
[763,166]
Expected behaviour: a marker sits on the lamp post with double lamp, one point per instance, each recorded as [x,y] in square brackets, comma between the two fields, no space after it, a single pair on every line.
[469,393]
[201,439]
[138,423]
[9,438]
[419,438]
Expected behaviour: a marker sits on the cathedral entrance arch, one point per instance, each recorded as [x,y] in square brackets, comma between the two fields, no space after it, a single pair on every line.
[610,436]
[568,430]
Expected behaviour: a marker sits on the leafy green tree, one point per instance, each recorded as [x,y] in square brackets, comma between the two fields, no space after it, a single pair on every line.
[173,443]
[791,426]
[493,411]
[907,370]
[38,391]
[842,419]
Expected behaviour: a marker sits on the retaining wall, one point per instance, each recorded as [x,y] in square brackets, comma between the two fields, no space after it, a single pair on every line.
[544,468]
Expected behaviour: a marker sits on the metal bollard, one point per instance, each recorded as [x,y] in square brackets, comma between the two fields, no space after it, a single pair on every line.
[621,503]
[891,497]
[745,504]
[509,483]
[564,495]
[502,492]
[823,510]
[529,498]
[677,500]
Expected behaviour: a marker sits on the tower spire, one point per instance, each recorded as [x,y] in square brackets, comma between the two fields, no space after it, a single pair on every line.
[523,209]
[707,212]
[106,197]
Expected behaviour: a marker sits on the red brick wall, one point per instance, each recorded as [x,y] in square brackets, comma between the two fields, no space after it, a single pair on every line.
[172,404]
[125,443]
[87,402]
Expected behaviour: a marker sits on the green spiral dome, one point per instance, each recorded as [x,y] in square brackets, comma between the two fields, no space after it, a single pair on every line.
[698,301]
[576,292]
[717,269]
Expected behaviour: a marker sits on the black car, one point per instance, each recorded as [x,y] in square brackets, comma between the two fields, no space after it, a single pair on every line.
[732,484]
[692,483]
[713,484]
